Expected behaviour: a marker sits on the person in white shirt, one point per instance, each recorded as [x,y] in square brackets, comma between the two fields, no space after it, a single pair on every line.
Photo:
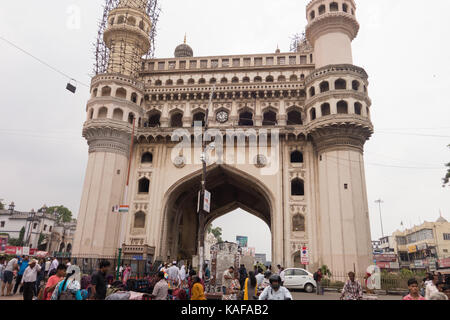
[282,275]
[8,275]
[29,280]
[53,267]
[174,273]
[431,287]
[259,277]
[47,265]
[275,291]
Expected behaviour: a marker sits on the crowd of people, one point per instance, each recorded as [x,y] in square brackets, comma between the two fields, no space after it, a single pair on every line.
[50,279]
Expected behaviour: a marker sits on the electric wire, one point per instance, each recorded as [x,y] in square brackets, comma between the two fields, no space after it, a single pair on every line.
[42,62]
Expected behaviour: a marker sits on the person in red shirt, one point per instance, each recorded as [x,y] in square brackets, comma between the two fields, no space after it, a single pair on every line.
[54,280]
[413,287]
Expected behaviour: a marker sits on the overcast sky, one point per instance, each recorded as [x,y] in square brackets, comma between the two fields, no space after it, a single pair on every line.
[403,47]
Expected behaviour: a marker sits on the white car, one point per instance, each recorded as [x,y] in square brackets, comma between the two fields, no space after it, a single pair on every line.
[296,278]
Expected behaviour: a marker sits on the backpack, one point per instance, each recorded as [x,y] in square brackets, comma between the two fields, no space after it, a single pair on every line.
[316,276]
[66,294]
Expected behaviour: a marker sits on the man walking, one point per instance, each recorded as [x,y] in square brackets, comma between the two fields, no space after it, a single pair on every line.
[161,289]
[98,281]
[8,275]
[318,278]
[29,280]
[23,266]
[53,266]
[174,274]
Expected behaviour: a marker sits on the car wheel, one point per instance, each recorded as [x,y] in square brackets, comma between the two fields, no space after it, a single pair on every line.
[309,288]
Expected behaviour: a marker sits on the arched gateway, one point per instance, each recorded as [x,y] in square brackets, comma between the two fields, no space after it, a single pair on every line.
[230,189]
[314,197]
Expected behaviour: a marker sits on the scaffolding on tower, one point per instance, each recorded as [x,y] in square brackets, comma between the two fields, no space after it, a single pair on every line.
[101,50]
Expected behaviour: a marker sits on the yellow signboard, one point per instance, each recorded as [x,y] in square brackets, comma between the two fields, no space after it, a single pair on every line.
[412,249]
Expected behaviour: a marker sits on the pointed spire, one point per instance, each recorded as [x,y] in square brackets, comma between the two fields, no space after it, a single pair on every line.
[278,49]
[185,38]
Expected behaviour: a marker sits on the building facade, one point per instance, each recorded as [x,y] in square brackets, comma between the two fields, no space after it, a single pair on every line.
[42,230]
[424,247]
[293,124]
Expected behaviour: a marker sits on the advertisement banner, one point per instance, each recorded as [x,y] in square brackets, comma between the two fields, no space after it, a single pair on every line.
[444,263]
[305,256]
[385,257]
[242,241]
[412,249]
[19,251]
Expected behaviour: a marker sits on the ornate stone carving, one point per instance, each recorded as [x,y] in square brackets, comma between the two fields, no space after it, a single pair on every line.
[179,162]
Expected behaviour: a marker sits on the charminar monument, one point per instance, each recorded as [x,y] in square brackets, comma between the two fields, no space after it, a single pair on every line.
[286,143]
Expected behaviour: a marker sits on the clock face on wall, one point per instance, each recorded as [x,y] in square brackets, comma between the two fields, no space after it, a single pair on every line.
[222,116]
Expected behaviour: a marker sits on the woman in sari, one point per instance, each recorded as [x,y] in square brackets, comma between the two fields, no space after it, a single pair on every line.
[250,287]
[126,274]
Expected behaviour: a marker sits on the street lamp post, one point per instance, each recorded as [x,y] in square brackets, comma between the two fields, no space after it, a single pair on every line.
[379,201]
[202,213]
[30,230]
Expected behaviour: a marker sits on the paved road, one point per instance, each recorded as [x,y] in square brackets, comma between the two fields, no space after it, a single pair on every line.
[301,295]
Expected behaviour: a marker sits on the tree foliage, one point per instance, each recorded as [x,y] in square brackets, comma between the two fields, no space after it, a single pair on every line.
[18,242]
[64,214]
[2,206]
[217,232]
[325,271]
[446,179]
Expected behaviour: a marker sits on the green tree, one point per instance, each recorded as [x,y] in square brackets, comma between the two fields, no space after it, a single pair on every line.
[325,271]
[42,237]
[217,232]
[64,214]
[2,206]
[18,242]
[446,180]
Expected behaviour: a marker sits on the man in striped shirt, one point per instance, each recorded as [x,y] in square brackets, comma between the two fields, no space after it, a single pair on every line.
[352,289]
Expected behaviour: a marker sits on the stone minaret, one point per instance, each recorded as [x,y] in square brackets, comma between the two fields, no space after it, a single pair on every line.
[338,109]
[116,99]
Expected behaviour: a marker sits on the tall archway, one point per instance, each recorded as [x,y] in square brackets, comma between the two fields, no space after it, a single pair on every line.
[230,189]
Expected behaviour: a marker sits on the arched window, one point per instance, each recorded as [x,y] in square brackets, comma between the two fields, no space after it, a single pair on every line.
[121,19]
[324,86]
[144,185]
[326,110]
[358,108]
[312,15]
[342,107]
[246,118]
[345,7]
[293,78]
[340,84]
[212,81]
[296,157]
[94,93]
[191,81]
[199,116]
[313,114]
[180,82]
[298,223]
[91,114]
[322,9]
[246,79]
[102,113]
[139,220]
[131,21]
[355,85]
[141,25]
[235,80]
[130,118]
[302,77]
[297,187]
[224,80]
[106,91]
[257,79]
[158,83]
[154,120]
[281,79]
[269,118]
[61,247]
[334,7]
[294,118]
[118,114]
[312,92]
[69,247]
[269,79]
[134,97]
[202,81]
[169,82]
[121,93]
[176,120]
[147,157]
[302,93]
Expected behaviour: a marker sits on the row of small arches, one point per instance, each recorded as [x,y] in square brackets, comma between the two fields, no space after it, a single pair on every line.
[120,93]
[339,84]
[225,80]
[129,20]
[333,7]
[341,108]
